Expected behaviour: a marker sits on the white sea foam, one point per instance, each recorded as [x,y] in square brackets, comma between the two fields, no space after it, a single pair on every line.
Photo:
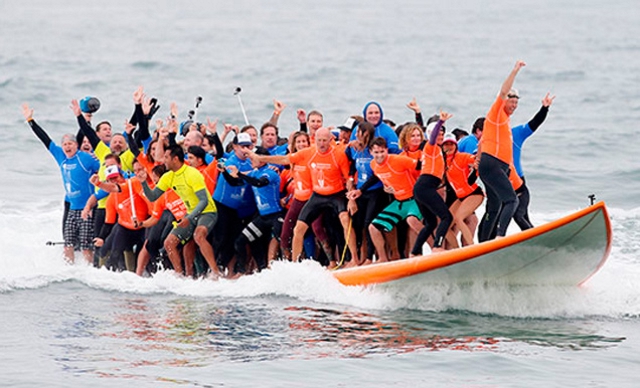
[27,263]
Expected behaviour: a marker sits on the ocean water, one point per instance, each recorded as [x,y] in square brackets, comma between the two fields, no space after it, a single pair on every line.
[294,325]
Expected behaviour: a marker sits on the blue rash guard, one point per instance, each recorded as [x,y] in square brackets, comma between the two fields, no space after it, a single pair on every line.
[362,160]
[469,145]
[279,149]
[382,130]
[235,196]
[265,184]
[76,172]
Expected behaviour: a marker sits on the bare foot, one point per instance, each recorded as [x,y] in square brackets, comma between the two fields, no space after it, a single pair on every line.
[332,264]
[368,261]
[436,250]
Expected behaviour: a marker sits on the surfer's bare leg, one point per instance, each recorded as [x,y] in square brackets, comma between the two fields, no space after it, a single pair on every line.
[378,241]
[415,226]
[200,236]
[298,239]
[464,211]
[68,254]
[171,246]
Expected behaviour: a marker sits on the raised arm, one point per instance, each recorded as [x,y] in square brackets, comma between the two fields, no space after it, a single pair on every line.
[84,126]
[40,133]
[278,107]
[539,118]
[508,83]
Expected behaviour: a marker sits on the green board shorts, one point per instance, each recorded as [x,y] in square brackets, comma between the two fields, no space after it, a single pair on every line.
[208,220]
[396,212]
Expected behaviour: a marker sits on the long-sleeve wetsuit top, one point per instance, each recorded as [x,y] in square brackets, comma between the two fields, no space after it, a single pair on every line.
[265,184]
[237,197]
[522,132]
[75,170]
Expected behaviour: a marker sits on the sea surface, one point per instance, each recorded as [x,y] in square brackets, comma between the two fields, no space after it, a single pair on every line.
[294,325]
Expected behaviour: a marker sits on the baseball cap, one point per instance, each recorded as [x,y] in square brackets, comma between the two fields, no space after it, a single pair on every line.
[243,139]
[111,171]
[348,125]
[89,104]
[449,138]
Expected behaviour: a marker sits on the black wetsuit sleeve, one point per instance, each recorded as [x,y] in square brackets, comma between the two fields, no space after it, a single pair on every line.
[40,133]
[303,127]
[419,119]
[419,165]
[105,231]
[539,118]
[263,181]
[231,180]
[218,146]
[133,145]
[88,131]
[172,139]
[373,179]
[143,126]
[473,176]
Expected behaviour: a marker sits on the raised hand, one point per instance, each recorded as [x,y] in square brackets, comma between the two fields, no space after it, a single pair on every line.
[138,95]
[444,116]
[278,106]
[27,112]
[413,105]
[548,100]
[128,127]
[519,65]
[75,107]
[213,126]
[146,105]
[302,115]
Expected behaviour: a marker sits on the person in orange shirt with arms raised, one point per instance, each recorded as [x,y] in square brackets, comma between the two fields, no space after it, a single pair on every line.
[496,157]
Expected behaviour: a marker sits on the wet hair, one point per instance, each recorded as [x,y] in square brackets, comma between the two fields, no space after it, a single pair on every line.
[159,170]
[198,152]
[248,127]
[459,133]
[268,125]
[175,151]
[407,131]
[380,142]
[101,124]
[367,131]
[149,154]
[295,137]
[477,125]
[316,113]
[389,123]
[114,157]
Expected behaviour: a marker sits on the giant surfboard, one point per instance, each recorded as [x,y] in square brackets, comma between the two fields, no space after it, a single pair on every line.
[564,252]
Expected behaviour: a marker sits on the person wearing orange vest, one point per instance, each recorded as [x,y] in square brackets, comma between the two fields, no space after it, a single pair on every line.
[496,157]
[426,193]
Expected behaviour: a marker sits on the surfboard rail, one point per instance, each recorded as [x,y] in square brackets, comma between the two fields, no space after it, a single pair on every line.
[566,251]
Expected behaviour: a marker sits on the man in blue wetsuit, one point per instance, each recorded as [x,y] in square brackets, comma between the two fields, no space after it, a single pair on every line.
[234,201]
[76,168]
[269,137]
[521,133]
[265,184]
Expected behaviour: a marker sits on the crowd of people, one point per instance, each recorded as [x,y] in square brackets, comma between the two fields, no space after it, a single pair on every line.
[367,191]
